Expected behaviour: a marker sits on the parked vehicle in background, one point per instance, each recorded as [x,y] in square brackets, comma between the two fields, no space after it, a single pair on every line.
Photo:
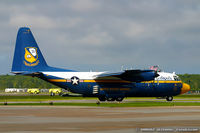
[55,91]
[33,91]
[17,90]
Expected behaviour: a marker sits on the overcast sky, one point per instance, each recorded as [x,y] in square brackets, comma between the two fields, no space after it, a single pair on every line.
[103,35]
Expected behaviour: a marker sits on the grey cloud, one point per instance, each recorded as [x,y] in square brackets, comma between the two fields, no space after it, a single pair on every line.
[106,34]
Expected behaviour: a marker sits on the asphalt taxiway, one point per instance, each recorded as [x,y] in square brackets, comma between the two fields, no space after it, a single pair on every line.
[72,119]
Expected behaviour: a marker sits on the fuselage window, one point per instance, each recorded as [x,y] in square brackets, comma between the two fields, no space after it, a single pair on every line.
[176,78]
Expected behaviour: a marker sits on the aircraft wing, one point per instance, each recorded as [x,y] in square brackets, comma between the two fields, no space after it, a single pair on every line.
[132,75]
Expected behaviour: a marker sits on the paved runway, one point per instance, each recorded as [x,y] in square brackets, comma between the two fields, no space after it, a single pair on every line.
[65,119]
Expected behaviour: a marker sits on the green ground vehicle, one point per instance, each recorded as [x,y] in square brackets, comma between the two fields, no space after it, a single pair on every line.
[55,91]
[33,91]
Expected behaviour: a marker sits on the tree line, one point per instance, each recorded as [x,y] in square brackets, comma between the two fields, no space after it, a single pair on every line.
[192,79]
[16,81]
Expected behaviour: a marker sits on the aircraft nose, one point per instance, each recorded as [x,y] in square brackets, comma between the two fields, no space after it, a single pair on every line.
[185,88]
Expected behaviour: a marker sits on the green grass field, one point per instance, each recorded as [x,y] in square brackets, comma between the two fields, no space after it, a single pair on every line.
[115,104]
[130,102]
[38,98]
[187,96]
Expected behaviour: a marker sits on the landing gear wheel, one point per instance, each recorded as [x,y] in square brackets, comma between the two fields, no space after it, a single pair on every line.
[110,99]
[98,103]
[102,98]
[169,98]
[119,99]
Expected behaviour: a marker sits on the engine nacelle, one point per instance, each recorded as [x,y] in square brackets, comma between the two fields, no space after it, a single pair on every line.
[148,76]
[139,75]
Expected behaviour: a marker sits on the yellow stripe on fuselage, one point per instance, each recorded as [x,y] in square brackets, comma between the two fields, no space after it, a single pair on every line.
[161,81]
[123,81]
[116,81]
[57,80]
[107,81]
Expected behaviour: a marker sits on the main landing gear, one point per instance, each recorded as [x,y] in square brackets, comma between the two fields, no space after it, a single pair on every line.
[119,99]
[169,98]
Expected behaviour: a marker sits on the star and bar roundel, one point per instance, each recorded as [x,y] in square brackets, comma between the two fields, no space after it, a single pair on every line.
[75,80]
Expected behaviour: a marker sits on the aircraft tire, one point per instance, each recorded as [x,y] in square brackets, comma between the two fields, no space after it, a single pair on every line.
[119,99]
[169,98]
[102,98]
[110,99]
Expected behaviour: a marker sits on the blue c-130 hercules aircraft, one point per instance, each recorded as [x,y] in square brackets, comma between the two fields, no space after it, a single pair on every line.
[29,61]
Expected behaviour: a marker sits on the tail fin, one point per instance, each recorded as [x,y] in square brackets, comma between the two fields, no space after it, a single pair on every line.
[27,56]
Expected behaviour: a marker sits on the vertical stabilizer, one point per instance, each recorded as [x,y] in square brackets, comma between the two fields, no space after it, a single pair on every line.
[27,56]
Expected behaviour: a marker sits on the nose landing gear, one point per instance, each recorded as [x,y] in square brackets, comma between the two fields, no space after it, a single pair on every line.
[169,98]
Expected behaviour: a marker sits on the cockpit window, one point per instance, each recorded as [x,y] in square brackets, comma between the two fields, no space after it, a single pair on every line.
[176,78]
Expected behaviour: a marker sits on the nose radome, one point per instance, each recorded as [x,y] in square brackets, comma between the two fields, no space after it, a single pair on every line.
[185,88]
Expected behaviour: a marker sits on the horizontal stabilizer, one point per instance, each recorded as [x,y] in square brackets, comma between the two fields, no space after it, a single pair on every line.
[29,74]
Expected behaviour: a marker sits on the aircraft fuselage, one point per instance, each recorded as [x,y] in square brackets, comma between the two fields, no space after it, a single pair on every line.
[85,83]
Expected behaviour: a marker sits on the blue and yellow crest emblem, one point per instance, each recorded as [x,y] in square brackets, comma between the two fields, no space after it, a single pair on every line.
[31,56]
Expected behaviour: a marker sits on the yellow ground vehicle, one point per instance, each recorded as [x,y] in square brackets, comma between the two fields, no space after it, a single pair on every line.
[33,91]
[55,91]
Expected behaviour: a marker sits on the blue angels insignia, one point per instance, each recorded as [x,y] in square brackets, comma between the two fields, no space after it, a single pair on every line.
[31,56]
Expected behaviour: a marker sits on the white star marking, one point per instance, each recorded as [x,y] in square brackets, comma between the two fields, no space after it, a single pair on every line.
[74,81]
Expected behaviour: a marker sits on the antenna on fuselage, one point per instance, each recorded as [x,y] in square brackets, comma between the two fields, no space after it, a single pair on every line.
[122,68]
